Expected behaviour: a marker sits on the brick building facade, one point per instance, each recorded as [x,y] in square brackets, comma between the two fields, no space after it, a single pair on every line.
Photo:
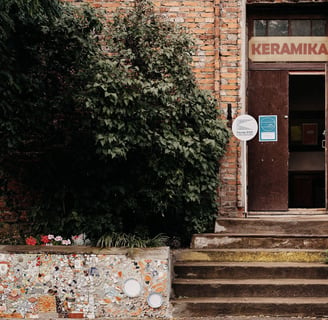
[285,83]
[217,27]
[222,30]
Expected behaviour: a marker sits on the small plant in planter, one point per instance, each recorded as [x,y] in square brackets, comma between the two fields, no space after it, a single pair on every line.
[115,239]
[50,240]
[126,240]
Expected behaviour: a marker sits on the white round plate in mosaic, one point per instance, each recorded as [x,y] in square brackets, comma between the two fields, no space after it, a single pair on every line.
[132,287]
[155,300]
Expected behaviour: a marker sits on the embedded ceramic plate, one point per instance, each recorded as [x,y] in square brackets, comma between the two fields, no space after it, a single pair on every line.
[155,300]
[132,287]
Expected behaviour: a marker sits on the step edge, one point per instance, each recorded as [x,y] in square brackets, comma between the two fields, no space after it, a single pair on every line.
[254,282]
[252,264]
[232,300]
[243,249]
[259,235]
[268,250]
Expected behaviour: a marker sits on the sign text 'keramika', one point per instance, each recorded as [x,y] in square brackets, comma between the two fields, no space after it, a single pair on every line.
[266,49]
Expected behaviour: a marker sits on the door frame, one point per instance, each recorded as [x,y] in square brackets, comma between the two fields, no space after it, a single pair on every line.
[306,69]
[326,135]
[257,10]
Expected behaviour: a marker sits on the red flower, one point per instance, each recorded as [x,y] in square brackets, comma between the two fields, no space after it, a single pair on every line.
[45,239]
[31,241]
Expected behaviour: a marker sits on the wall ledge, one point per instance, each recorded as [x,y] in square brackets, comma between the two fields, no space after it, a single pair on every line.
[156,252]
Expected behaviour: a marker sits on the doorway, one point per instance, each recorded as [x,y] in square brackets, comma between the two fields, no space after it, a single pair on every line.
[306,165]
[290,172]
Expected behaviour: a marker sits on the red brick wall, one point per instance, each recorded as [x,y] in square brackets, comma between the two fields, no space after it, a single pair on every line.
[216,28]
[14,223]
[199,17]
[228,87]
[216,25]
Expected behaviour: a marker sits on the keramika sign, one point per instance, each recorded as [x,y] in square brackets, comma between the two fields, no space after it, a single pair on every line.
[269,49]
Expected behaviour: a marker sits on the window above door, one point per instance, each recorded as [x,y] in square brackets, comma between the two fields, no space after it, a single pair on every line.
[289,27]
[287,20]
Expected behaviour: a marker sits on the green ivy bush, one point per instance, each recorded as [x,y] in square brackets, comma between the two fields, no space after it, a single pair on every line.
[47,50]
[115,141]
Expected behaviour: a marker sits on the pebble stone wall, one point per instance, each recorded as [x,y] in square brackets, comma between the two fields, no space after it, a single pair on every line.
[83,282]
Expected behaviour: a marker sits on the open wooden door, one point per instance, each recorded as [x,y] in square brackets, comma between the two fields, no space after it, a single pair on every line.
[268,161]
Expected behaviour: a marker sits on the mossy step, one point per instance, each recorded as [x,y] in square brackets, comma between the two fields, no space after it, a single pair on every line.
[250,255]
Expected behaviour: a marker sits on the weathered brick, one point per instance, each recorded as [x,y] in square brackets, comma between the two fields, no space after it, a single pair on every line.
[216,28]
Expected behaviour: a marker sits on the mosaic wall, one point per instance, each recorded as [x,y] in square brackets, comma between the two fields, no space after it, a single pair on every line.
[50,285]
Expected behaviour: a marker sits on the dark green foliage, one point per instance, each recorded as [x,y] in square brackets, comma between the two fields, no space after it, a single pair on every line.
[160,132]
[47,52]
[124,142]
[43,47]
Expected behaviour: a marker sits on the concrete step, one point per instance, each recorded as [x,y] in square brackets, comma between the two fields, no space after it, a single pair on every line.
[251,288]
[250,270]
[302,225]
[213,282]
[250,255]
[262,265]
[211,307]
[268,240]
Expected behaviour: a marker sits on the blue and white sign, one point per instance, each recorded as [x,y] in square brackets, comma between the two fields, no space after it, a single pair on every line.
[268,128]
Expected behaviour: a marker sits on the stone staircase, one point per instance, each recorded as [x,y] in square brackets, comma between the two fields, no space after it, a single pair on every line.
[260,265]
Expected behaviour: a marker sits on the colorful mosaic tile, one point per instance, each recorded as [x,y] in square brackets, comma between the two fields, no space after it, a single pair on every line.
[83,285]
